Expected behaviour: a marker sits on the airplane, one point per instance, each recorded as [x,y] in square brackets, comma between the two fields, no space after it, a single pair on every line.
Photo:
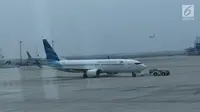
[152,36]
[33,60]
[93,66]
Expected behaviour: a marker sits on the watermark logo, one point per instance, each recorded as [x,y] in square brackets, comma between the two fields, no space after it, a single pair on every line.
[187,12]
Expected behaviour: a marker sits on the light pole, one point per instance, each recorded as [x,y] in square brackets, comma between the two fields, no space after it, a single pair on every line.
[1,57]
[52,44]
[20,50]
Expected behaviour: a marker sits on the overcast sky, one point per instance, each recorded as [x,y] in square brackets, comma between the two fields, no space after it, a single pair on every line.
[84,27]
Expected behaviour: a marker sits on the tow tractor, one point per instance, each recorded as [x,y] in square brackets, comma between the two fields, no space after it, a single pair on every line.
[159,72]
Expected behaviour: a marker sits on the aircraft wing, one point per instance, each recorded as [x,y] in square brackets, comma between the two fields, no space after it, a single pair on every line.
[72,70]
[37,63]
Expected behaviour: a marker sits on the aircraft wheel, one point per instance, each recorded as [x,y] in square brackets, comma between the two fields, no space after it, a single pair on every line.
[133,74]
[167,72]
[156,73]
[163,73]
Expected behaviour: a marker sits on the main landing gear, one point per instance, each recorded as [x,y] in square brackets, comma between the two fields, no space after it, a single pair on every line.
[85,75]
[133,74]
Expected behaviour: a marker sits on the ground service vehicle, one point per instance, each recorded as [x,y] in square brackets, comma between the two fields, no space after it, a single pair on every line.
[159,72]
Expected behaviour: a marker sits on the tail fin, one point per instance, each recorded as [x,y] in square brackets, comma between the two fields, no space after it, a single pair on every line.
[50,53]
[29,56]
[36,61]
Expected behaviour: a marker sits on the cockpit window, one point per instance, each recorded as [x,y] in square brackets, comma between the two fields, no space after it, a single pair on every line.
[138,63]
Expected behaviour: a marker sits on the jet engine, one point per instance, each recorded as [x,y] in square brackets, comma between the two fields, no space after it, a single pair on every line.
[94,72]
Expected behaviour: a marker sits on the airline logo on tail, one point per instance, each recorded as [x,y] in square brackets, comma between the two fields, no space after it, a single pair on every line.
[50,53]
[51,56]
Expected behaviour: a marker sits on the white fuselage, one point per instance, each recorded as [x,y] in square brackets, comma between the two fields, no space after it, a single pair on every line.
[105,65]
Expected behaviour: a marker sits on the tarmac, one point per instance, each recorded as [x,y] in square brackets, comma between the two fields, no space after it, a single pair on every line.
[48,90]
